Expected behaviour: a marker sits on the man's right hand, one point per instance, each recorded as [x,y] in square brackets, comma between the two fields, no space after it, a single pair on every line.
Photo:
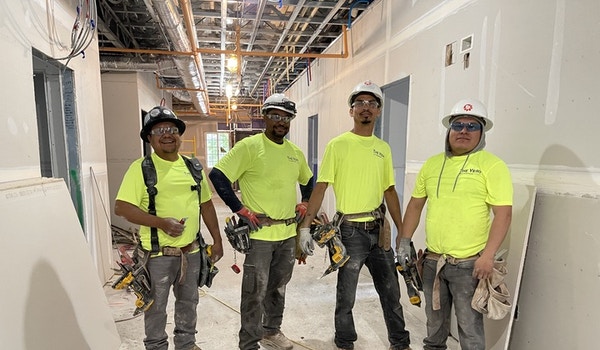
[403,252]
[172,227]
[306,241]
[250,218]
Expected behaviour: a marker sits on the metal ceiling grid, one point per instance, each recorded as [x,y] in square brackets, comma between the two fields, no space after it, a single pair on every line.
[187,44]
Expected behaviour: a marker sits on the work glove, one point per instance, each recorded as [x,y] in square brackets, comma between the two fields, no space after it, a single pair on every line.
[306,241]
[403,252]
[301,209]
[249,218]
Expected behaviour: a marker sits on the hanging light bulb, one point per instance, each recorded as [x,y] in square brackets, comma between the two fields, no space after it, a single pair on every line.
[232,63]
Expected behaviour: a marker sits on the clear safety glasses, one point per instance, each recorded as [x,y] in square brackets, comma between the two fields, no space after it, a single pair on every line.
[173,130]
[365,104]
[277,117]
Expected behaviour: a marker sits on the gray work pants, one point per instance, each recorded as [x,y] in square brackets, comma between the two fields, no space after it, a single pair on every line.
[267,270]
[457,286]
[164,273]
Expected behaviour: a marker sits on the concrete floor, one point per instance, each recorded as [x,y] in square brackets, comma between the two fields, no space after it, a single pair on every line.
[308,317]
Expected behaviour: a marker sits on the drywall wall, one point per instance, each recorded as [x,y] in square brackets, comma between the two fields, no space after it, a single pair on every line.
[559,304]
[533,64]
[47,26]
[53,298]
[499,332]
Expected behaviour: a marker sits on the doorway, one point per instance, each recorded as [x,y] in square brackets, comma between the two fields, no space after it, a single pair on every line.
[57,125]
[392,128]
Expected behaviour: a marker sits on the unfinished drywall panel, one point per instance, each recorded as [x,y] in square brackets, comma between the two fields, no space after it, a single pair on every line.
[54,298]
[497,333]
[559,305]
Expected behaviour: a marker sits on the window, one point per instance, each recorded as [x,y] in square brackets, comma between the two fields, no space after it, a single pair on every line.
[217,145]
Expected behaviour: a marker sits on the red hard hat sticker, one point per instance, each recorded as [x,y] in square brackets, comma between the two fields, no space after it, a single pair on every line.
[468,107]
[368,82]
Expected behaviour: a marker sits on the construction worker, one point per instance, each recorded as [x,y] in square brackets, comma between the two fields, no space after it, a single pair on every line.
[460,185]
[267,167]
[171,235]
[359,167]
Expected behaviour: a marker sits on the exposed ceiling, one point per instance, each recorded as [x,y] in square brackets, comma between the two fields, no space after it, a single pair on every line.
[188,43]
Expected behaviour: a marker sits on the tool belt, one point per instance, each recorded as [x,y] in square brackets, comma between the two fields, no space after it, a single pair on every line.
[366,225]
[379,220]
[267,221]
[174,251]
[448,258]
[442,259]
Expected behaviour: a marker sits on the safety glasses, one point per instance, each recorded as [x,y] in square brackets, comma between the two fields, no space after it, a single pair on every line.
[365,104]
[458,126]
[277,117]
[166,130]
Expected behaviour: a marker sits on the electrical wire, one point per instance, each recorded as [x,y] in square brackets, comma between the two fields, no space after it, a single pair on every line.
[84,26]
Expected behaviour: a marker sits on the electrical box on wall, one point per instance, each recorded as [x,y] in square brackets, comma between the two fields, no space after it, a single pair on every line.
[455,49]
[450,56]
[466,44]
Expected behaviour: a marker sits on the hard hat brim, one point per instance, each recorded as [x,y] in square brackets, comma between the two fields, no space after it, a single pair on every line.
[264,110]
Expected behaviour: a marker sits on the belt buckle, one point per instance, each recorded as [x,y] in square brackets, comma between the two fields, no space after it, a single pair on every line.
[171,251]
[369,225]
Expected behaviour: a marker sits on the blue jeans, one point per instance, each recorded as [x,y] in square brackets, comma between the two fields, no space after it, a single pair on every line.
[457,285]
[363,249]
[267,270]
[164,273]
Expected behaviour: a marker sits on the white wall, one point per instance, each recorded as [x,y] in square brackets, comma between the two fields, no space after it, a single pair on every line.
[27,25]
[534,64]
[124,96]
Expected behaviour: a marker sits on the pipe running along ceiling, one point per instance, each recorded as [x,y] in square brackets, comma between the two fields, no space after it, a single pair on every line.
[189,45]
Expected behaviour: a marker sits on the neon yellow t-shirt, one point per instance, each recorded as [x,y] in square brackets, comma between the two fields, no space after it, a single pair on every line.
[268,174]
[459,195]
[174,199]
[360,169]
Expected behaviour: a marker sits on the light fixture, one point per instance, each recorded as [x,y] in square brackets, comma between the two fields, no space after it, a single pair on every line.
[232,64]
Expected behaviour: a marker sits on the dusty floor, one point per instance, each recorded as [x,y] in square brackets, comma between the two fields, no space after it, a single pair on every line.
[308,317]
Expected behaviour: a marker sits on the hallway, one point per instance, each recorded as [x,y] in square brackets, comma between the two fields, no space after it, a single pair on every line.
[308,318]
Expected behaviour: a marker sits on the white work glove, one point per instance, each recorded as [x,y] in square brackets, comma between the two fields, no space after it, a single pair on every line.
[403,252]
[306,241]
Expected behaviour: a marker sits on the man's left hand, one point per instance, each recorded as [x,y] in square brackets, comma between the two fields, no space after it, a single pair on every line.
[484,267]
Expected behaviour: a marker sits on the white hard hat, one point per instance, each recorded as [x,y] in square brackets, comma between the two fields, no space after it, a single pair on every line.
[469,107]
[279,101]
[366,87]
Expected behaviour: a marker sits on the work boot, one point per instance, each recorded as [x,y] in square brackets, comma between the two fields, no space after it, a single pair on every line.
[398,348]
[276,341]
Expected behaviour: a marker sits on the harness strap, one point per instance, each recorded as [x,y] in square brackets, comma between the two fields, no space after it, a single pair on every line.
[150,179]
[149,173]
